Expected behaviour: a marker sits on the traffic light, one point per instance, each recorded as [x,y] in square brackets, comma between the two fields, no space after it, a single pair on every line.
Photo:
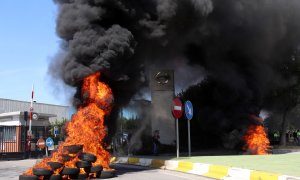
[25,115]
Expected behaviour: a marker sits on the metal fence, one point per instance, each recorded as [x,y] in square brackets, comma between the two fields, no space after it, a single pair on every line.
[12,139]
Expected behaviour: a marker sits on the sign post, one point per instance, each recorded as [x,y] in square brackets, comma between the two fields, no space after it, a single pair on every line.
[177,113]
[55,131]
[188,109]
[49,144]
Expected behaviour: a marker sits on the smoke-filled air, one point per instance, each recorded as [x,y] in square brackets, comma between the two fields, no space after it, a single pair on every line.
[238,46]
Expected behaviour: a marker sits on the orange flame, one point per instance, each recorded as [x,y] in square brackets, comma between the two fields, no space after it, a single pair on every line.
[86,126]
[256,140]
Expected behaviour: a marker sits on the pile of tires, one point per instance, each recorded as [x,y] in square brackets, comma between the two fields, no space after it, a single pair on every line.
[86,161]
[59,172]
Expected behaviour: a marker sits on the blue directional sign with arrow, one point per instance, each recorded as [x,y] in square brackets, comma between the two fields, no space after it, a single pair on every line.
[49,142]
[188,109]
[55,130]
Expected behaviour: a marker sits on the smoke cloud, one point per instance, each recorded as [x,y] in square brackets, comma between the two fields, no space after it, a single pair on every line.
[240,43]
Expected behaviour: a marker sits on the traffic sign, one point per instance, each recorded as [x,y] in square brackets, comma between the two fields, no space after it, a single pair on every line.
[177,109]
[41,143]
[188,109]
[55,130]
[35,116]
[49,142]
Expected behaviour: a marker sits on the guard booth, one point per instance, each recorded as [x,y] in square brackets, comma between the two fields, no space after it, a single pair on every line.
[13,134]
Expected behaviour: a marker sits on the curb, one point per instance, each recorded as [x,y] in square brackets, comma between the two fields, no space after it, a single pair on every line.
[207,170]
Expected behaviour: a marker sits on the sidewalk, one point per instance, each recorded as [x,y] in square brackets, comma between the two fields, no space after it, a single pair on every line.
[232,167]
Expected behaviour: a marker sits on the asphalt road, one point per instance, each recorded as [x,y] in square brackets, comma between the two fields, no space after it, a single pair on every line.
[10,170]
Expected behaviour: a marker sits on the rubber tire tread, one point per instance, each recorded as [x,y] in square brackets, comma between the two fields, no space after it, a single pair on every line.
[66,157]
[107,174]
[82,176]
[70,171]
[41,172]
[87,170]
[87,157]
[54,165]
[96,169]
[55,177]
[24,177]
[73,149]
[83,164]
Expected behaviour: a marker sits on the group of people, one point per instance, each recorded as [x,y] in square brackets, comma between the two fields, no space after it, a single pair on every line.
[292,135]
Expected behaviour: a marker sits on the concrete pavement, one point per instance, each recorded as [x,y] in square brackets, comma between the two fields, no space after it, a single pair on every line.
[12,169]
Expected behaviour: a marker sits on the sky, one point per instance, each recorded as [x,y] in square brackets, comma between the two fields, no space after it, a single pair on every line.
[28,42]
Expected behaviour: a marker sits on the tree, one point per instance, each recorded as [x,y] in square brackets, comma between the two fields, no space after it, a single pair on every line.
[284,99]
[60,124]
[289,100]
[212,117]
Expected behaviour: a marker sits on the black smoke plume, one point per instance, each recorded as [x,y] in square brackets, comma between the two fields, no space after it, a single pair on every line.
[241,44]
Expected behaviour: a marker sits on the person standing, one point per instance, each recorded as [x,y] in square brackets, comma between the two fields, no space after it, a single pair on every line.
[298,137]
[295,137]
[156,142]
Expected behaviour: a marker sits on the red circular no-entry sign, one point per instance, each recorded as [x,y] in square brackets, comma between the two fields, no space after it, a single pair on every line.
[41,143]
[177,108]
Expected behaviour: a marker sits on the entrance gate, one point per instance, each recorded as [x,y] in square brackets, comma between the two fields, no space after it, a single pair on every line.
[13,141]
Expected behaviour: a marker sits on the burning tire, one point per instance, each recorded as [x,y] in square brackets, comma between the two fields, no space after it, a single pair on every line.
[66,157]
[79,176]
[96,169]
[87,157]
[83,164]
[73,149]
[24,177]
[54,165]
[41,172]
[107,174]
[70,171]
[55,177]
[98,175]
[87,170]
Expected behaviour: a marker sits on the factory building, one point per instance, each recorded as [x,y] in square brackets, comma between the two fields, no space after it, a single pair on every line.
[14,124]
[8,105]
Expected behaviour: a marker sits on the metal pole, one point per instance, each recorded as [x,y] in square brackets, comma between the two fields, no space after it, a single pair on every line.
[31,109]
[177,139]
[29,133]
[46,148]
[25,137]
[189,137]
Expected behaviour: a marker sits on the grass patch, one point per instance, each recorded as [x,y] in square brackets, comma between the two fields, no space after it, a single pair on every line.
[287,164]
